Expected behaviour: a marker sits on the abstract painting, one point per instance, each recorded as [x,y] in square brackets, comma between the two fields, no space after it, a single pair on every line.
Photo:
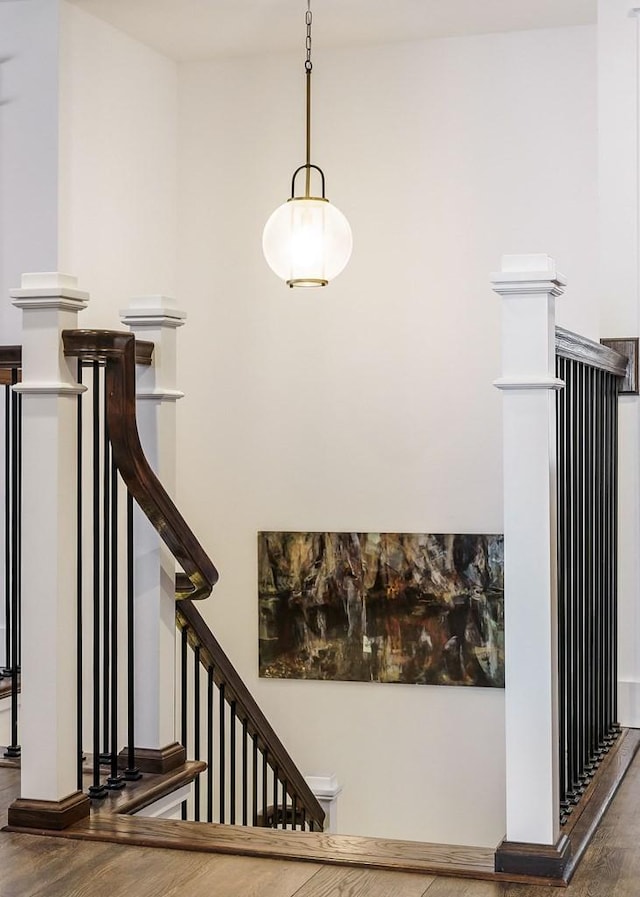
[382,607]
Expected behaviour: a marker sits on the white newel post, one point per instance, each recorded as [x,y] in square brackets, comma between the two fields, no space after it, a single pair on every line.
[327,791]
[49,389]
[529,285]
[154,318]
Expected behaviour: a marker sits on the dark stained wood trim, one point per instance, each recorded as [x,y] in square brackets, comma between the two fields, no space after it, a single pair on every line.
[560,861]
[117,351]
[147,790]
[155,760]
[579,348]
[585,819]
[10,357]
[211,654]
[49,814]
[144,352]
[341,850]
[536,860]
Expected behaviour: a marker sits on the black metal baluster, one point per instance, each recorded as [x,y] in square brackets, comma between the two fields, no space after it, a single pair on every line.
[221,749]
[7,529]
[232,763]
[13,750]
[254,782]
[196,726]
[131,773]
[79,615]
[562,581]
[210,770]
[115,780]
[614,555]
[18,572]
[574,384]
[265,773]
[591,609]
[105,756]
[580,602]
[245,771]
[274,822]
[283,814]
[97,789]
[184,643]
[599,552]
[294,811]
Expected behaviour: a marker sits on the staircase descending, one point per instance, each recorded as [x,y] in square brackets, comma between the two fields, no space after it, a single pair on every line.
[229,767]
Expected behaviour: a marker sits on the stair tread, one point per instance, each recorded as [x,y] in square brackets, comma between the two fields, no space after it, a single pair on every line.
[146,791]
[476,862]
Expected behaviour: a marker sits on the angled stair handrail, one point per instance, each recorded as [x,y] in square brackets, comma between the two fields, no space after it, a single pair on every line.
[118,351]
[245,709]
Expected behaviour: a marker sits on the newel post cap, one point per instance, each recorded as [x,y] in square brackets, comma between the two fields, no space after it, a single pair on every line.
[49,289]
[153,311]
[532,273]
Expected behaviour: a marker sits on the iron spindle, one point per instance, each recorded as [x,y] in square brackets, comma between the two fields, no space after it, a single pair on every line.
[115,781]
[196,726]
[221,749]
[13,750]
[232,763]
[275,797]
[79,615]
[131,773]
[105,756]
[562,581]
[97,790]
[265,774]
[254,782]
[7,529]
[183,700]
[244,772]
[210,775]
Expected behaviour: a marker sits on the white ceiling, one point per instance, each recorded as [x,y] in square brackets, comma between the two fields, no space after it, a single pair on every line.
[189,30]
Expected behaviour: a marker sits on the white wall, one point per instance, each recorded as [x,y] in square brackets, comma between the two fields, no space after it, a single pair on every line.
[28,148]
[369,405]
[118,165]
[619,208]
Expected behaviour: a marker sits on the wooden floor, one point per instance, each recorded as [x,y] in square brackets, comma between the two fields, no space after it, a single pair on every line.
[33,865]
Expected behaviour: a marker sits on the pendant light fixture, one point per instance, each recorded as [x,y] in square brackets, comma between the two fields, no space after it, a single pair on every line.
[307,240]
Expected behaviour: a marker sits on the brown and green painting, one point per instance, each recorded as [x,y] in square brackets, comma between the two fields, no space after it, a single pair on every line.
[382,607]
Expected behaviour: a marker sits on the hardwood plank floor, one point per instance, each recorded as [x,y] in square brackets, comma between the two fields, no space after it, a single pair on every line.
[332,881]
[37,866]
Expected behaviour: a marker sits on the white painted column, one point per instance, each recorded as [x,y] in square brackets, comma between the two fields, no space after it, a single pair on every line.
[155,318]
[529,285]
[49,388]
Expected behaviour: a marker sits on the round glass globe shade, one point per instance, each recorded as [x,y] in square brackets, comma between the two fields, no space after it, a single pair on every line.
[307,242]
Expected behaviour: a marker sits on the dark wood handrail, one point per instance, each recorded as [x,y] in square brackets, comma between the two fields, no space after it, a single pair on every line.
[118,352]
[224,673]
[10,362]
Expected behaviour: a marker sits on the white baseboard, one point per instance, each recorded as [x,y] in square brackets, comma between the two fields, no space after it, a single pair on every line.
[629,704]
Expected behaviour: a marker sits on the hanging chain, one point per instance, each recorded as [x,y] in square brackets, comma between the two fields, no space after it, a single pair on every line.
[308,65]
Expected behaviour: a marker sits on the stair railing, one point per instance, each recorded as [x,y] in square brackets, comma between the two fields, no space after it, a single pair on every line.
[250,777]
[559,493]
[587,450]
[89,388]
